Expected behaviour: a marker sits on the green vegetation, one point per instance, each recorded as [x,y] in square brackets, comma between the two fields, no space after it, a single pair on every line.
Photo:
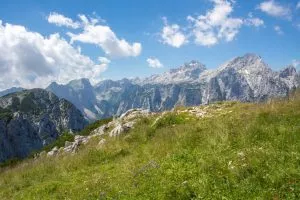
[10,163]
[240,151]
[5,114]
[27,104]
[89,128]
[60,142]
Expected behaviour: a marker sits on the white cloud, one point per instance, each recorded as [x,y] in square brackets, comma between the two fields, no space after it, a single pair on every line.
[217,24]
[29,59]
[253,21]
[154,63]
[172,35]
[208,29]
[278,30]
[296,63]
[104,60]
[257,22]
[60,20]
[273,8]
[105,38]
[298,5]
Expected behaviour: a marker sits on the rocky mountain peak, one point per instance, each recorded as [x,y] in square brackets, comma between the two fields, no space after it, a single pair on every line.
[248,61]
[193,65]
[288,71]
[79,84]
[188,72]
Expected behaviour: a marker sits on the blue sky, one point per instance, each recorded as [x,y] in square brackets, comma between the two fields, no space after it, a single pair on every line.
[269,28]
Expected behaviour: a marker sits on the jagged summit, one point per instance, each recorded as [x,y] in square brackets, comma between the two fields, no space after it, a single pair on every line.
[244,78]
[11,90]
[192,65]
[290,70]
[189,72]
[80,83]
[247,61]
[75,84]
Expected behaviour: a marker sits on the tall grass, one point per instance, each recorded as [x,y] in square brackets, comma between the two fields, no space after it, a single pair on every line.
[242,151]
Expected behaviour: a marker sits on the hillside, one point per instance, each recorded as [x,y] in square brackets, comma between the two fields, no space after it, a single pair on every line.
[224,150]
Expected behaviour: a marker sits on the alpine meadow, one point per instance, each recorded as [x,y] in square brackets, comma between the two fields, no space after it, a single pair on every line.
[196,99]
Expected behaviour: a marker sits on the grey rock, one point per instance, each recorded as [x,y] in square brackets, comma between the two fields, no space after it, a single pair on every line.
[100,131]
[80,93]
[53,152]
[31,119]
[247,78]
[102,142]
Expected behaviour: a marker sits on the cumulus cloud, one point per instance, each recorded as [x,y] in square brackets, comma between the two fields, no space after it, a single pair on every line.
[29,59]
[105,38]
[278,30]
[275,9]
[208,29]
[61,20]
[217,24]
[172,35]
[154,63]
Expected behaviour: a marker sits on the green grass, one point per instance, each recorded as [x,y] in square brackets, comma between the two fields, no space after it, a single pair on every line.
[89,128]
[241,151]
[60,142]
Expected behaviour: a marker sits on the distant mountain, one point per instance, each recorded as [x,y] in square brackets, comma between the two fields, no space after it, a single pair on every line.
[189,72]
[81,93]
[11,90]
[245,78]
[31,119]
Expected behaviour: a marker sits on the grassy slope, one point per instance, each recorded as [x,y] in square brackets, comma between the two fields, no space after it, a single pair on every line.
[243,151]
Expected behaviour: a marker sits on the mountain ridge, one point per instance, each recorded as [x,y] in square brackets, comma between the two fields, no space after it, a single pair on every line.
[11,90]
[244,78]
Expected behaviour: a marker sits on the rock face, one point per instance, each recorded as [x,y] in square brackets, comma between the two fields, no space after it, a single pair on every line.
[115,128]
[245,78]
[80,93]
[32,119]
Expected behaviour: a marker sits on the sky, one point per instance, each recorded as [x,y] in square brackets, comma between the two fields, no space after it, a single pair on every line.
[46,41]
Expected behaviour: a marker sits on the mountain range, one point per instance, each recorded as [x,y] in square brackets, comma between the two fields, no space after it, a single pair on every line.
[247,78]
[32,119]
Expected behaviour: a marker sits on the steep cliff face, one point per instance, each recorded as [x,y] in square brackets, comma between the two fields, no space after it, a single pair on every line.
[245,78]
[80,93]
[33,118]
